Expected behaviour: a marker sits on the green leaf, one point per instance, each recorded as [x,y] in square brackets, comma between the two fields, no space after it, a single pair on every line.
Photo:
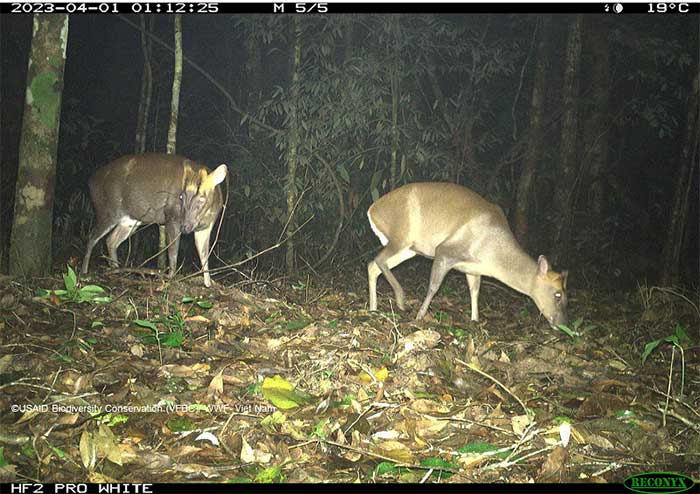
[294,325]
[144,323]
[386,468]
[42,293]
[173,339]
[269,475]
[203,304]
[681,334]
[649,347]
[58,452]
[567,330]
[438,464]
[477,447]
[181,424]
[70,280]
[281,393]
[3,461]
[239,480]
[92,289]
[188,300]
[344,173]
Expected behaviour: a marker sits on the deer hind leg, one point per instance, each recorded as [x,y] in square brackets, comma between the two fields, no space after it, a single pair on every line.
[121,232]
[389,257]
[98,232]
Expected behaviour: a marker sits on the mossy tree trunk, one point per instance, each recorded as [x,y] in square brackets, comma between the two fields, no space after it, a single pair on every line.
[30,243]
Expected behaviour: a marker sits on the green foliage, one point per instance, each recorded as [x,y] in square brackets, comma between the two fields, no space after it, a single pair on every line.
[281,393]
[181,424]
[385,468]
[439,464]
[480,447]
[174,322]
[319,429]
[202,304]
[678,339]
[72,293]
[269,475]
[343,111]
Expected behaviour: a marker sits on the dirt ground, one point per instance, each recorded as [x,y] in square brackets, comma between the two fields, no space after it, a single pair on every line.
[295,381]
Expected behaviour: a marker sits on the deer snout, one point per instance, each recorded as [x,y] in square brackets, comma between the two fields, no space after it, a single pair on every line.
[556,319]
[188,226]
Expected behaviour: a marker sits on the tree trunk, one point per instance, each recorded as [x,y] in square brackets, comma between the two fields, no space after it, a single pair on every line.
[170,147]
[30,243]
[536,141]
[293,147]
[146,87]
[563,191]
[597,127]
[678,219]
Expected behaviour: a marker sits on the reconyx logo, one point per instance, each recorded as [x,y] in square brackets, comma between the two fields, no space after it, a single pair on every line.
[658,483]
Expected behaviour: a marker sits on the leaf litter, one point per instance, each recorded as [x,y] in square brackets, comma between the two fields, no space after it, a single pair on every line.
[174,382]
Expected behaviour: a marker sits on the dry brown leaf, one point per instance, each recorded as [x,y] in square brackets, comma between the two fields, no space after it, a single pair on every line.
[26,416]
[201,368]
[185,450]
[519,423]
[98,478]
[606,384]
[137,349]
[216,385]
[68,418]
[88,450]
[554,466]
[428,406]
[197,318]
[428,427]
[419,340]
[105,445]
[247,453]
[394,450]
[5,362]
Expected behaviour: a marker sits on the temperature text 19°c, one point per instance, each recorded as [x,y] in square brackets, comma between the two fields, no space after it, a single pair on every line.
[662,8]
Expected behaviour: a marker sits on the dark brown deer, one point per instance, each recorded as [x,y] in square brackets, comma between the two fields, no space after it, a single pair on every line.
[155,188]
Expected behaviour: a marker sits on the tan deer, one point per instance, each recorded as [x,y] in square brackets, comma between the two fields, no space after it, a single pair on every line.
[461,230]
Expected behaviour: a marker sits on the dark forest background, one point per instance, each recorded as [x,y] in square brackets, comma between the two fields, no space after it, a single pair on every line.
[382,100]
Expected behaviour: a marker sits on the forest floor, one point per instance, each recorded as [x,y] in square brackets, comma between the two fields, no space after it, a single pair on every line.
[155,381]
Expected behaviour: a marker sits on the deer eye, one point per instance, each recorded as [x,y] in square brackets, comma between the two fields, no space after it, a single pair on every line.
[557,295]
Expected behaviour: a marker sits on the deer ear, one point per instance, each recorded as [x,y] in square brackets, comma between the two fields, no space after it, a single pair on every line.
[542,266]
[218,175]
[214,178]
